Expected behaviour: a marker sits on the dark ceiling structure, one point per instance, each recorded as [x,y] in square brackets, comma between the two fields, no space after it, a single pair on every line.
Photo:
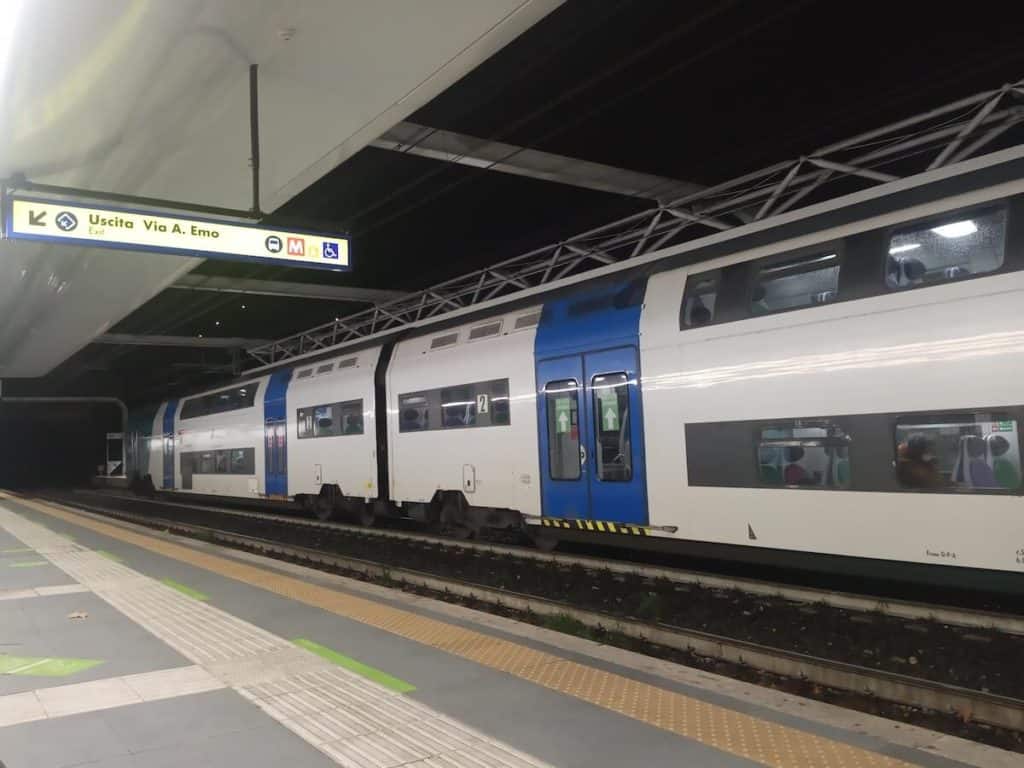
[695,93]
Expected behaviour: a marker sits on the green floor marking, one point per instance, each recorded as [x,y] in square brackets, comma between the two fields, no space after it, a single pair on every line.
[371,673]
[28,563]
[44,666]
[195,594]
[17,551]
[109,555]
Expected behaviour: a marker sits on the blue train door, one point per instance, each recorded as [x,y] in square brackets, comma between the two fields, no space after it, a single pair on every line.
[172,406]
[275,433]
[566,492]
[592,437]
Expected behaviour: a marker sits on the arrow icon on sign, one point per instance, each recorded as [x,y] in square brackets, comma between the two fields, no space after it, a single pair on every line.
[563,422]
[37,218]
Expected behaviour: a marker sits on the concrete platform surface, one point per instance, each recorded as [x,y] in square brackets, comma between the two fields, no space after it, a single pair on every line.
[122,646]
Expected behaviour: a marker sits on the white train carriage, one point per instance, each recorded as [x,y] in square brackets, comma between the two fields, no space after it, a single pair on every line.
[212,443]
[851,392]
[331,432]
[462,423]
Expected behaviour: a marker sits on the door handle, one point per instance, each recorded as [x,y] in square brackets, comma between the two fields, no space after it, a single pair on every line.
[583,455]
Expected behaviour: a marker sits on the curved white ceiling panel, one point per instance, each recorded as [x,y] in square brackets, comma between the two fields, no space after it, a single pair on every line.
[150,97]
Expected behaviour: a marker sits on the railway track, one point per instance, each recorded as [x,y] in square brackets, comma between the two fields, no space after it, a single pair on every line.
[998,709]
[885,605]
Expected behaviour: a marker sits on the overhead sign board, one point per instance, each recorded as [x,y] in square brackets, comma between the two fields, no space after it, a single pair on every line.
[72,222]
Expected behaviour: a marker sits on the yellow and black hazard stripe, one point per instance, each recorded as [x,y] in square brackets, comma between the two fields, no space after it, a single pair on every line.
[601,526]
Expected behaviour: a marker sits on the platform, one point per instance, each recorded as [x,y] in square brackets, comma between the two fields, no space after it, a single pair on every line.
[121,646]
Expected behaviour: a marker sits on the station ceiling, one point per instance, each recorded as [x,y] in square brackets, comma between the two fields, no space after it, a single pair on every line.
[693,92]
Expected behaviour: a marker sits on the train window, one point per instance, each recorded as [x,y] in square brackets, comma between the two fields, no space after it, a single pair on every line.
[243,461]
[699,299]
[967,244]
[611,426]
[220,402]
[305,374]
[413,413]
[325,368]
[351,417]
[479,404]
[804,454]
[330,419]
[458,407]
[564,455]
[206,463]
[794,283]
[221,462]
[500,411]
[326,421]
[193,407]
[959,452]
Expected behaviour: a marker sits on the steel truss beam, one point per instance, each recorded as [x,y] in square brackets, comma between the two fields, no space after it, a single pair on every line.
[930,140]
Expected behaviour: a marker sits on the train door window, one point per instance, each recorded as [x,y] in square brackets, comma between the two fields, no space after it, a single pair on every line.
[611,426]
[458,407]
[699,299]
[804,454]
[564,457]
[958,452]
[947,249]
[413,413]
[795,283]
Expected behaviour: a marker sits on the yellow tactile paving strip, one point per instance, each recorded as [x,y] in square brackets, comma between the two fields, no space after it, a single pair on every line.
[719,727]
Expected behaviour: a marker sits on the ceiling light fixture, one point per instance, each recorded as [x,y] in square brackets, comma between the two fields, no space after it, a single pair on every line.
[904,248]
[956,229]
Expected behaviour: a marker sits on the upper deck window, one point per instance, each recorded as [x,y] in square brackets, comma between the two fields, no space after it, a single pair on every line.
[699,299]
[964,245]
[800,282]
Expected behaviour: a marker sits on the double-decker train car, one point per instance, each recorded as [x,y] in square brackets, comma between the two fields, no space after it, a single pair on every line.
[838,387]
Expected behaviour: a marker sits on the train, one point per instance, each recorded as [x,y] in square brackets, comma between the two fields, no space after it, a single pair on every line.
[839,387]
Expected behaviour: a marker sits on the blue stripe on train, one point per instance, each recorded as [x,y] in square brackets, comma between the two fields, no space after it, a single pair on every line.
[592,463]
[275,433]
[169,411]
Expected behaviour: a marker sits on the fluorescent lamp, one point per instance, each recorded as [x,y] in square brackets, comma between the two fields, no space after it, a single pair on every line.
[956,229]
[904,248]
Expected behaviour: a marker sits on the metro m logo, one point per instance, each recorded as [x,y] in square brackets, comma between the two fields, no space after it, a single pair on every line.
[296,246]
